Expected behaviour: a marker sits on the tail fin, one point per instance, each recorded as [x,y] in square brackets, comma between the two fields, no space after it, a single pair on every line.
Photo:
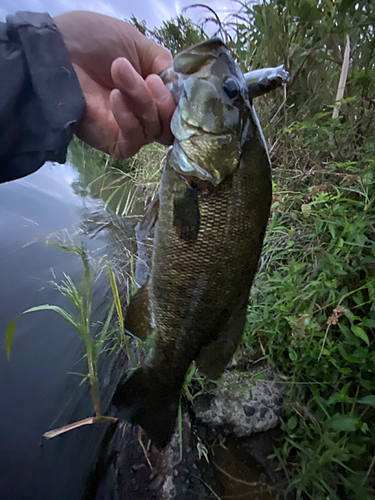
[144,400]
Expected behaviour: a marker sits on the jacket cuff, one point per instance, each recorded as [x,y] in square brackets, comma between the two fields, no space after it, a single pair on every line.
[54,101]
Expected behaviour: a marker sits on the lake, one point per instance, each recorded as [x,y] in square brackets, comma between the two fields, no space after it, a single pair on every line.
[37,393]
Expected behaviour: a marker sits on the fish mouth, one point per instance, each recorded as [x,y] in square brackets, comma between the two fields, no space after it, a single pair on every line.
[206,161]
[184,165]
[184,130]
[205,146]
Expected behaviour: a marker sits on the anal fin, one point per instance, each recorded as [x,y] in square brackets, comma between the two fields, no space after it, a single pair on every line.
[145,400]
[214,357]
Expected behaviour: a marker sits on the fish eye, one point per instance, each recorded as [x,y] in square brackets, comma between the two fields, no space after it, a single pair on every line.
[231,88]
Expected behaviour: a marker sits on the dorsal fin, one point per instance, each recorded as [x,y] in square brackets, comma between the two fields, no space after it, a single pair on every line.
[151,215]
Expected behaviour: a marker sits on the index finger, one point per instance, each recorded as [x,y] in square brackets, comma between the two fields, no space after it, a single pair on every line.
[136,97]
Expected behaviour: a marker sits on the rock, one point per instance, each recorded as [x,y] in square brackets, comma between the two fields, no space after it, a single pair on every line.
[242,405]
[232,411]
[179,482]
[156,483]
[138,466]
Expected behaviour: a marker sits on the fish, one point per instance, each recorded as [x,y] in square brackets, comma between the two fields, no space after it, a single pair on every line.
[209,218]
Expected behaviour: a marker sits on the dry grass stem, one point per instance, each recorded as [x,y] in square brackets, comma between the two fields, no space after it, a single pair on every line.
[343,77]
[242,481]
[86,421]
[144,449]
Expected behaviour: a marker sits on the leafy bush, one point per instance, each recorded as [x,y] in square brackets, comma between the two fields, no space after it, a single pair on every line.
[313,309]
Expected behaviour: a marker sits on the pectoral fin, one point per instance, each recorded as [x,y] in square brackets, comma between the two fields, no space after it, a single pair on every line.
[186,213]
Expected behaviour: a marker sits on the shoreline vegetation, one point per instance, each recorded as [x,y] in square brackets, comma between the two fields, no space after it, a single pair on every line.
[311,313]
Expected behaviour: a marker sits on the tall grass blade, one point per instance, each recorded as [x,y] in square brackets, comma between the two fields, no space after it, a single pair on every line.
[9,336]
[343,77]
[117,302]
[104,330]
[9,330]
[97,345]
[116,296]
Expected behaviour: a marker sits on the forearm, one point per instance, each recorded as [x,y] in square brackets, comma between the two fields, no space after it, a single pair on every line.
[40,99]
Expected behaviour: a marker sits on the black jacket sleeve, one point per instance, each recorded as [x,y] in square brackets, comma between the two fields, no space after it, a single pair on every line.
[40,97]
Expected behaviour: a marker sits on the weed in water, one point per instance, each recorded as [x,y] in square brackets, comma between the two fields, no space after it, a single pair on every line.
[80,298]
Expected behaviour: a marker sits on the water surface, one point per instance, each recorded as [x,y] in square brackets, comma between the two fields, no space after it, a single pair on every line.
[36,391]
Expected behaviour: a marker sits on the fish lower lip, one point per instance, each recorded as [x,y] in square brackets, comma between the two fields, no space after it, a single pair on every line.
[185,165]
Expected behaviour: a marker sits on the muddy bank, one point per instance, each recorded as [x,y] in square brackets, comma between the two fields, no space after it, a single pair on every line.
[211,455]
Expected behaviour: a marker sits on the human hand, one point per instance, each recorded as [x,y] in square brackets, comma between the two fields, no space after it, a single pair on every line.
[127,104]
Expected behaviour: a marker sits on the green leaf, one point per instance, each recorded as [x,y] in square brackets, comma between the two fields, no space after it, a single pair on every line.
[331,259]
[315,392]
[292,422]
[292,354]
[306,210]
[9,335]
[368,400]
[367,178]
[360,239]
[241,389]
[59,310]
[359,332]
[332,231]
[363,427]
[343,423]
[341,395]
[340,271]
[257,377]
[345,370]
[64,314]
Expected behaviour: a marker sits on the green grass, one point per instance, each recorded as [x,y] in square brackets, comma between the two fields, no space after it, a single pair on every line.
[312,312]
[313,315]
[120,184]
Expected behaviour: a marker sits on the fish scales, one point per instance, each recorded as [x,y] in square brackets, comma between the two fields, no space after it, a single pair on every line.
[212,211]
[228,245]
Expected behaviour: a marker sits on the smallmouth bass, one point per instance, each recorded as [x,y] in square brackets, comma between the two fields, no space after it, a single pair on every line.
[210,218]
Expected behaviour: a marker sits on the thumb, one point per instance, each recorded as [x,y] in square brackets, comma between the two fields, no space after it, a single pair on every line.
[158,58]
